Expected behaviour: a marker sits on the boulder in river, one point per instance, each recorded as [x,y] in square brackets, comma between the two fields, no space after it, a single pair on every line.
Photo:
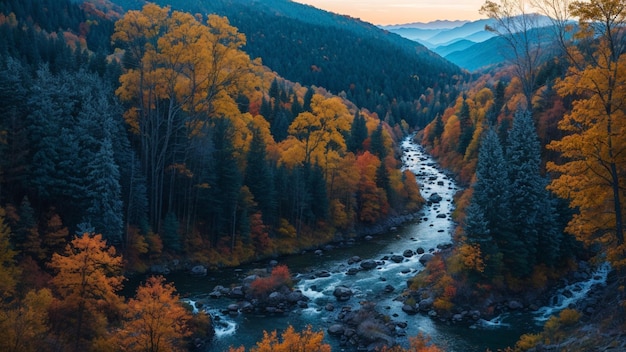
[397,258]
[435,198]
[368,264]
[342,293]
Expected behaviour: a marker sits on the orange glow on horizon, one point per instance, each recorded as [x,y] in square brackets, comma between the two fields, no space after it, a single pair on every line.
[401,11]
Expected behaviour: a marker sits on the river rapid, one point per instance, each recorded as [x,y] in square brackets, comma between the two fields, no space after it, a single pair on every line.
[430,229]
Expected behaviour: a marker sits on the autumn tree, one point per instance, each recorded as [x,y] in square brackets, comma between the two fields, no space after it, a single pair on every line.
[88,275]
[179,74]
[520,31]
[155,320]
[292,341]
[8,269]
[24,322]
[592,173]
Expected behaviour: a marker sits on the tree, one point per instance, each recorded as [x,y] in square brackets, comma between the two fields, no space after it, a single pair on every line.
[24,322]
[520,30]
[259,179]
[171,236]
[533,217]
[592,173]
[88,275]
[292,341]
[8,270]
[105,212]
[492,197]
[358,133]
[155,320]
[180,74]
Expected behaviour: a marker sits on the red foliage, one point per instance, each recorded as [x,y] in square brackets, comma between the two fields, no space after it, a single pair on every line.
[263,286]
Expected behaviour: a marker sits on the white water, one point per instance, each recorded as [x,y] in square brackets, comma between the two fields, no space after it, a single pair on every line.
[427,233]
[572,293]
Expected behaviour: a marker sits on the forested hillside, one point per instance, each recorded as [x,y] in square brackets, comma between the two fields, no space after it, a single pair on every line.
[155,130]
[540,145]
[392,76]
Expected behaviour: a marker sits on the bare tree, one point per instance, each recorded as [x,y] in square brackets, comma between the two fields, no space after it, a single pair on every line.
[520,29]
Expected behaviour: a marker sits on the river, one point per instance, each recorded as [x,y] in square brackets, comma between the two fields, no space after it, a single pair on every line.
[432,228]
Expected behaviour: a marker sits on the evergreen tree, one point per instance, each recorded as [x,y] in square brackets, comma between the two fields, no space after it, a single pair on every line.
[258,178]
[534,214]
[377,144]
[358,133]
[467,128]
[105,212]
[227,180]
[491,195]
[170,235]
[306,105]
[476,230]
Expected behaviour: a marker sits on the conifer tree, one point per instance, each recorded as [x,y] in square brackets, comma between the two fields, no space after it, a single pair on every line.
[533,215]
[258,177]
[492,196]
[358,133]
[105,212]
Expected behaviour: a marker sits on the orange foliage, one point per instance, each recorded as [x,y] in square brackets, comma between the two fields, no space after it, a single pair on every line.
[156,322]
[292,341]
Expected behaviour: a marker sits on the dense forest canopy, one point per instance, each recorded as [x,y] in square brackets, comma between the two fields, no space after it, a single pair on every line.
[223,132]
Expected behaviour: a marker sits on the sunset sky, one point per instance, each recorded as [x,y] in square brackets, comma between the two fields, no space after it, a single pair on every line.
[401,11]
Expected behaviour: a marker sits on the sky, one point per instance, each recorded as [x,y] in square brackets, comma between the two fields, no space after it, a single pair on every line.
[386,12]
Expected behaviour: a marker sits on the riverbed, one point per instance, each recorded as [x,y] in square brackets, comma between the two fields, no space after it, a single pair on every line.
[383,284]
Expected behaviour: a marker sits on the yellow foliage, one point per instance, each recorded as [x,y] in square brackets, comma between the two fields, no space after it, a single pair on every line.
[527,341]
[292,341]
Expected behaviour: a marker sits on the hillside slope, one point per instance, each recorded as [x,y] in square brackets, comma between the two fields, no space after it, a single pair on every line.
[375,68]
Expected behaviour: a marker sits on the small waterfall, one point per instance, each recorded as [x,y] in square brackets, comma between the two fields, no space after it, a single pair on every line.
[573,293]
[221,323]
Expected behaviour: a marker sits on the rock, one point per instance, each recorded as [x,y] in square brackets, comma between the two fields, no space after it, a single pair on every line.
[319,252]
[396,258]
[419,250]
[441,216]
[409,309]
[329,307]
[236,292]
[233,308]
[336,329]
[322,273]
[368,264]
[408,253]
[352,271]
[426,304]
[434,198]
[295,296]
[273,263]
[389,288]
[246,307]
[457,318]
[406,270]
[354,259]
[276,297]
[199,270]
[425,258]
[369,238]
[514,305]
[342,293]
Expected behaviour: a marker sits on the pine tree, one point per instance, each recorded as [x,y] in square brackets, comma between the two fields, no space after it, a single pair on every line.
[534,216]
[105,212]
[358,133]
[258,177]
[377,143]
[491,195]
